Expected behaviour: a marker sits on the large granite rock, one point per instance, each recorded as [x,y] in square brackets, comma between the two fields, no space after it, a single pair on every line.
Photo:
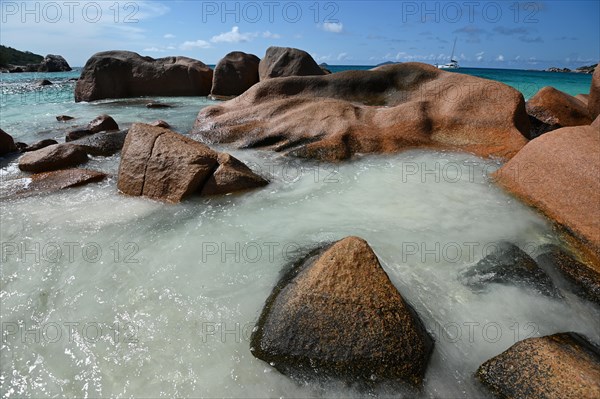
[388,109]
[561,366]
[337,314]
[164,165]
[235,74]
[54,63]
[285,61]
[558,174]
[57,156]
[122,74]
[7,143]
[556,109]
[594,99]
[507,264]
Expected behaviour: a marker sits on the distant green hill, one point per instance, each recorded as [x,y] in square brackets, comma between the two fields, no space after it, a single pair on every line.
[9,55]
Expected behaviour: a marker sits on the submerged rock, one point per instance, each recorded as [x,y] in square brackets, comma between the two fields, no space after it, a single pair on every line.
[337,314]
[7,144]
[234,74]
[158,105]
[39,145]
[64,118]
[388,109]
[509,265]
[45,82]
[586,280]
[61,179]
[49,182]
[561,366]
[123,74]
[285,61]
[558,174]
[164,165]
[58,156]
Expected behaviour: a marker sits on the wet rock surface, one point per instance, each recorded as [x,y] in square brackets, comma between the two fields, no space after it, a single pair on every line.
[507,264]
[561,366]
[337,314]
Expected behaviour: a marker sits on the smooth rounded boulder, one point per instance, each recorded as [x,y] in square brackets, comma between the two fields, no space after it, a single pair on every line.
[594,98]
[124,74]
[286,61]
[234,74]
[557,109]
[337,314]
[561,366]
[558,174]
[57,156]
[388,109]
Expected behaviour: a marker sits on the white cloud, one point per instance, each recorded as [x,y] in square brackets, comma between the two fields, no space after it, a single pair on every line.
[500,58]
[153,50]
[480,55]
[342,56]
[169,36]
[194,44]
[297,36]
[269,35]
[334,27]
[321,58]
[233,36]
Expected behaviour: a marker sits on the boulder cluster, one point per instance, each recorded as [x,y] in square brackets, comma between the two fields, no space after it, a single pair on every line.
[335,313]
[50,63]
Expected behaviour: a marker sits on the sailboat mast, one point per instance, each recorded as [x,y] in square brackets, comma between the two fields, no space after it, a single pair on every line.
[453,47]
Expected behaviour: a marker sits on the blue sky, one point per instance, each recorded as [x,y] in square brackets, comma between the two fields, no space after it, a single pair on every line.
[501,34]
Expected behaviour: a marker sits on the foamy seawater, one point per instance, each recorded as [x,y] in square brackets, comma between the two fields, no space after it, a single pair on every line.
[105,295]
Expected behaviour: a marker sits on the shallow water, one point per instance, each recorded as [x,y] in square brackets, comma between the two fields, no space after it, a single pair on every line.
[106,295]
[161,299]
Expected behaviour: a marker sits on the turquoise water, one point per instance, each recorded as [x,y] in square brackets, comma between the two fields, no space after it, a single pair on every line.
[527,82]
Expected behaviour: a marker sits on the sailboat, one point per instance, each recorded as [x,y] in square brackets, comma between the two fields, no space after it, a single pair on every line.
[453,64]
